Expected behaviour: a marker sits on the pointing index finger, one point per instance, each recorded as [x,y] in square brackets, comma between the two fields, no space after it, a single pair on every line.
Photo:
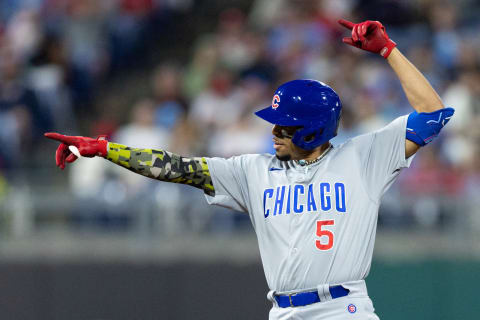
[60,137]
[347,24]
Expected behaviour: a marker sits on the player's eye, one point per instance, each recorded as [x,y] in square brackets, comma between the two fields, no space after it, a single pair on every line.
[287,134]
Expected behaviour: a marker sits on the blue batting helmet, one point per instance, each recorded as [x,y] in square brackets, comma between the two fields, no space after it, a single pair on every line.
[309,104]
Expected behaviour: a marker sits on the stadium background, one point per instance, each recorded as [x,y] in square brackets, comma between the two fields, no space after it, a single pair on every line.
[98,242]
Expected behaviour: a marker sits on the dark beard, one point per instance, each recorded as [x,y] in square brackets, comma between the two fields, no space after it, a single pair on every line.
[286,157]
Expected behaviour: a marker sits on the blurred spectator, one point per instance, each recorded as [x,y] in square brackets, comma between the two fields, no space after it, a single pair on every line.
[21,120]
[201,66]
[219,105]
[47,77]
[443,18]
[127,29]
[24,33]
[86,44]
[141,132]
[427,183]
[170,105]
[234,43]
[464,133]
[245,135]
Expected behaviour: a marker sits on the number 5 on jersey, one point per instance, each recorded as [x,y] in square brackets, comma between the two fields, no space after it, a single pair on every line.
[325,241]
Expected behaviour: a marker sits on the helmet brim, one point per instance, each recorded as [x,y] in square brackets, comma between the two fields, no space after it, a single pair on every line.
[275,117]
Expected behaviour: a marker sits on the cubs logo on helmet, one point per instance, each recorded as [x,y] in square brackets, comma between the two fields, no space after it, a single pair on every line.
[309,104]
[275,101]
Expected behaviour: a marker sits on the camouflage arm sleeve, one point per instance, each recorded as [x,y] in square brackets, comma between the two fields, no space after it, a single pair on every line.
[163,165]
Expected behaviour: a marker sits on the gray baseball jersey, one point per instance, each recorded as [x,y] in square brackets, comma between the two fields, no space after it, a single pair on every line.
[315,224]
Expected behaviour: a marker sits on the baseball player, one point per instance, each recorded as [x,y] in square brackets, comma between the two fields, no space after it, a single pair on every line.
[313,206]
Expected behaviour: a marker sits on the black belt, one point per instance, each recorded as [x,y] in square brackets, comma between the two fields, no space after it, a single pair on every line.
[306,298]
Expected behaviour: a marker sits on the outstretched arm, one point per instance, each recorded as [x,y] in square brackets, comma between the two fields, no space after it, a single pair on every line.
[156,164]
[163,165]
[371,36]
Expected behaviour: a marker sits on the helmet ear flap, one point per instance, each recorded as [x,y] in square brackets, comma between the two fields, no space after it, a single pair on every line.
[312,136]
[309,138]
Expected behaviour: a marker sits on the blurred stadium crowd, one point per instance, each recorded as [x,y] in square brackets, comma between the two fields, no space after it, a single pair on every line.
[99,67]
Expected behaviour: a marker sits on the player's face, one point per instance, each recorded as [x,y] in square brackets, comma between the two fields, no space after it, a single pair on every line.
[285,150]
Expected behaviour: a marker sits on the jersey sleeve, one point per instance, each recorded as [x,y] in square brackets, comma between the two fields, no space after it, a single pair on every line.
[230,183]
[382,156]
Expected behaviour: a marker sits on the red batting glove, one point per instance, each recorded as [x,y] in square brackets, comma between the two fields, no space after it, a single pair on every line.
[87,147]
[370,36]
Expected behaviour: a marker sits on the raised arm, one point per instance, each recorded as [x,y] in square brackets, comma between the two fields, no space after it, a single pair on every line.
[153,163]
[419,92]
[371,36]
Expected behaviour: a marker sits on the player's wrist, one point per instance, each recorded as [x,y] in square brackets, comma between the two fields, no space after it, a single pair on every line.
[102,146]
[388,48]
